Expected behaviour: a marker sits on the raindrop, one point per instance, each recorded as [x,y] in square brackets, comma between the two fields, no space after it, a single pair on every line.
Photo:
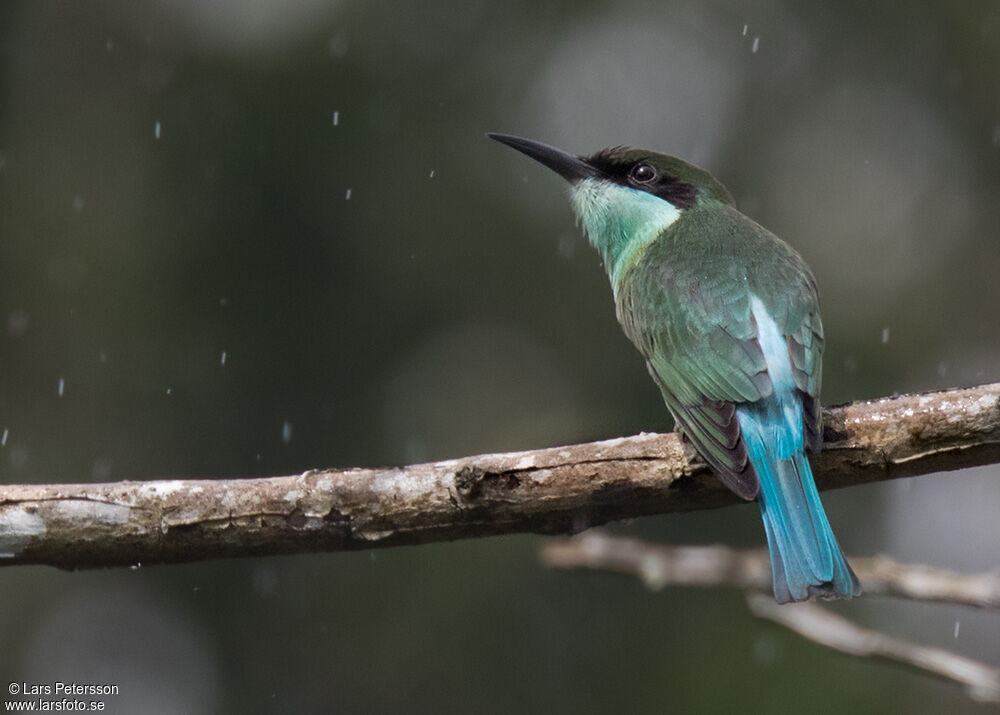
[265,581]
[102,356]
[222,360]
[223,302]
[765,650]
[756,45]
[347,196]
[957,625]
[100,471]
[3,437]
[336,117]
[17,323]
[566,246]
[744,31]
[431,175]
[109,45]
[338,45]
[286,432]
[78,203]
[170,390]
[414,450]
[18,456]
[885,335]
[156,130]
[62,386]
[942,369]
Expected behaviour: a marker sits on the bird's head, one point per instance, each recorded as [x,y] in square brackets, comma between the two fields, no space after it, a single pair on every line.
[625,197]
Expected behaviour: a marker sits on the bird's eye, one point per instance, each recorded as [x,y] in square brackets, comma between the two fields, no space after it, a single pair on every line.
[642,173]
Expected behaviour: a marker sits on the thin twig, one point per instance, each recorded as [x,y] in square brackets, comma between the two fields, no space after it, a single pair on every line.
[818,624]
[555,490]
[658,566]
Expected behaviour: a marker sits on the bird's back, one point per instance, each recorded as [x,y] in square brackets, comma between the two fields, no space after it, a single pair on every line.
[686,304]
[719,257]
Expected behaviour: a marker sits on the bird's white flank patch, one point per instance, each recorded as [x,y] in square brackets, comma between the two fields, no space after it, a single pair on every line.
[774,346]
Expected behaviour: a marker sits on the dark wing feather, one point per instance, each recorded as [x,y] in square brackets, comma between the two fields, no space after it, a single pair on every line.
[703,363]
[803,331]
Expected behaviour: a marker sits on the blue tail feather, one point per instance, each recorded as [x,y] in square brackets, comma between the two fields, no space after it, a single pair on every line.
[806,560]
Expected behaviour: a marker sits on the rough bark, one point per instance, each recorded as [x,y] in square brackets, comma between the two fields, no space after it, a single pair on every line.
[554,490]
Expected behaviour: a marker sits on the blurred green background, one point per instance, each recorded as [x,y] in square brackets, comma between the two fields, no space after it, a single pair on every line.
[251,238]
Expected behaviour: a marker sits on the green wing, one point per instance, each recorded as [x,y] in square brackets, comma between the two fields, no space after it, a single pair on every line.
[686,306]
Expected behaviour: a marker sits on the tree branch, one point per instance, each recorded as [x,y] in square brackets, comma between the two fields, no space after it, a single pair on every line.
[981,681]
[556,490]
[658,566]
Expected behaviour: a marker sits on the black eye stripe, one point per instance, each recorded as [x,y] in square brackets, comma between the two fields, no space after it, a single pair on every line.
[618,169]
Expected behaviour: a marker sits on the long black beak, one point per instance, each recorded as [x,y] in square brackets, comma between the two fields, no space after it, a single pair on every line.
[572,168]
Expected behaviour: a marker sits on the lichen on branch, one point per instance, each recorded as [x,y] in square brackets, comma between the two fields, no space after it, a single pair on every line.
[552,490]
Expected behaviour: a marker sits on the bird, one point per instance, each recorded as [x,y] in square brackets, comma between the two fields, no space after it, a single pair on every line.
[727,317]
